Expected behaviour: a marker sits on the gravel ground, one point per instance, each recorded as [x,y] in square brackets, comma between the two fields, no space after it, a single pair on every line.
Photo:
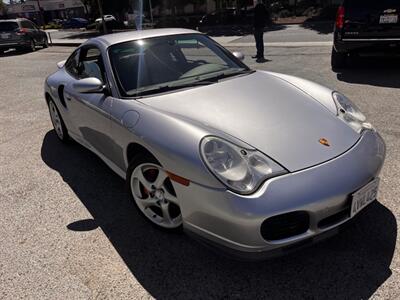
[68,229]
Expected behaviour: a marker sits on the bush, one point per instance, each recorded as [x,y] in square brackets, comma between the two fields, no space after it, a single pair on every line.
[285,13]
[53,26]
[309,12]
[329,12]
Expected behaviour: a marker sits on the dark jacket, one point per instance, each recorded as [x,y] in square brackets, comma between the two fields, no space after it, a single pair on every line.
[260,16]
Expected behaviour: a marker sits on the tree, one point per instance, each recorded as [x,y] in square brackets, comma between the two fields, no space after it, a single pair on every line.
[3,8]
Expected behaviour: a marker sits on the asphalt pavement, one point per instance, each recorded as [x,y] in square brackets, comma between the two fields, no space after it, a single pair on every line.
[69,231]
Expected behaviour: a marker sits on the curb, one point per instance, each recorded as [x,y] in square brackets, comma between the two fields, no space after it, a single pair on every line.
[65,44]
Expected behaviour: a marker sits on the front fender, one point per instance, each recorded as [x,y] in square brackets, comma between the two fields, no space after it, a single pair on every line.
[172,140]
[319,93]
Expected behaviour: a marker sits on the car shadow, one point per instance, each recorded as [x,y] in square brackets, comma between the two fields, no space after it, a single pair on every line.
[350,265]
[320,27]
[15,52]
[376,71]
[11,52]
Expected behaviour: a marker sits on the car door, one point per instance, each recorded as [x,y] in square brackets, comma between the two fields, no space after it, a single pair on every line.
[90,112]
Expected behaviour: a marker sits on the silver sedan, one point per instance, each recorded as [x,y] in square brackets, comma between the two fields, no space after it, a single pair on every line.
[252,162]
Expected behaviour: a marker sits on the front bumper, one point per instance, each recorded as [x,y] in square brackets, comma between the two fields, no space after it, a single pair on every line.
[234,221]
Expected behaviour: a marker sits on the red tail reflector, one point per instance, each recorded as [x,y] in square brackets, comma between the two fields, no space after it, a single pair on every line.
[340,17]
[22,31]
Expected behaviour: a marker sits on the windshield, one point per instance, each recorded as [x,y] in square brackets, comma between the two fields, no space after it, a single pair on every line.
[179,60]
[8,26]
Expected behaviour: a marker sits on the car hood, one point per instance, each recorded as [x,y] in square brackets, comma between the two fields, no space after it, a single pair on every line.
[268,113]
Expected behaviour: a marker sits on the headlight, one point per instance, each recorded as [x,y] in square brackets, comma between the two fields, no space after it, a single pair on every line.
[350,113]
[241,170]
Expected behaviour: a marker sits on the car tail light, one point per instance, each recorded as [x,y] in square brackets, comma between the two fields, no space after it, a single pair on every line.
[22,31]
[340,17]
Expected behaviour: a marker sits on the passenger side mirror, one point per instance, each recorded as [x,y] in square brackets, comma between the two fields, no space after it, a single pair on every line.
[89,85]
[238,55]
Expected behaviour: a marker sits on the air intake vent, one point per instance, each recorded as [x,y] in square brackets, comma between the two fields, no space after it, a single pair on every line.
[285,226]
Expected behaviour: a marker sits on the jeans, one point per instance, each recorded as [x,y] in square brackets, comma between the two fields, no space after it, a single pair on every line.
[259,37]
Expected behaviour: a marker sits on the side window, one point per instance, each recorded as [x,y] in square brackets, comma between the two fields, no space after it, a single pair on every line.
[91,64]
[195,52]
[72,64]
[27,25]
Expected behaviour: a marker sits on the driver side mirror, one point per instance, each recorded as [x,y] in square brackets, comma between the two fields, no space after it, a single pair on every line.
[89,85]
[238,55]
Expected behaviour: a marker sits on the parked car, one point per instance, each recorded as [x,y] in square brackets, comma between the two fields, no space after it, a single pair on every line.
[227,16]
[75,23]
[21,34]
[365,26]
[58,21]
[255,162]
[107,18]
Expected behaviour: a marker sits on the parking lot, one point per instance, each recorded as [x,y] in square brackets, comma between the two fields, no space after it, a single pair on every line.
[68,229]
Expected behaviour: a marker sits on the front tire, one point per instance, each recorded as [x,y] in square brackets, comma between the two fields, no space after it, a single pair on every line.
[153,193]
[338,59]
[58,122]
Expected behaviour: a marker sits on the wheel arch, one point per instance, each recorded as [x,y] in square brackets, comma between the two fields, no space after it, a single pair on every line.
[135,149]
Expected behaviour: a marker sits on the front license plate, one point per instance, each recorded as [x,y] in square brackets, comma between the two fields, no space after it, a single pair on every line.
[389,19]
[5,36]
[364,196]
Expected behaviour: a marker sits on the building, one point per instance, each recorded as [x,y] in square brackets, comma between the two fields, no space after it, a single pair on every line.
[52,9]
[197,7]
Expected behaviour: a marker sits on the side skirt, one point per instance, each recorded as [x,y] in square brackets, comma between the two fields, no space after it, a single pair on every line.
[108,162]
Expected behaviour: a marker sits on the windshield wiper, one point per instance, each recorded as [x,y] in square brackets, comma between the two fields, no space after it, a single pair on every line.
[171,87]
[229,74]
[206,81]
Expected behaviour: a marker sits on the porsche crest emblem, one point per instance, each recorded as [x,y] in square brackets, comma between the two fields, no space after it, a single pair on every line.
[324,142]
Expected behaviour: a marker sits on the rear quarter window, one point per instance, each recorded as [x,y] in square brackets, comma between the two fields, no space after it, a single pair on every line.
[8,26]
[72,64]
[27,25]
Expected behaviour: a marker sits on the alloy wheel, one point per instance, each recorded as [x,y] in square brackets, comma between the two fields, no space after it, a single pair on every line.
[33,46]
[56,120]
[155,196]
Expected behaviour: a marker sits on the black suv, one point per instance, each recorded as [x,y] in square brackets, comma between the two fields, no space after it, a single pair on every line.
[21,34]
[365,25]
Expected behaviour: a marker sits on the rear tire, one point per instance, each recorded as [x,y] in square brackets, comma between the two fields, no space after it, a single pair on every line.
[58,122]
[338,59]
[46,43]
[32,46]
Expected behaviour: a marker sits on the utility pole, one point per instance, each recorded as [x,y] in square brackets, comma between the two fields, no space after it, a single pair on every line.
[41,14]
[102,16]
[151,12]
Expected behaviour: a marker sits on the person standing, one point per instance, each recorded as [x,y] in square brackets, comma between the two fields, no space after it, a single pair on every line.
[260,21]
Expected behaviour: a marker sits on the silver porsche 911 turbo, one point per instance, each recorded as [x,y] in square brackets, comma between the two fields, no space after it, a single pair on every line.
[252,162]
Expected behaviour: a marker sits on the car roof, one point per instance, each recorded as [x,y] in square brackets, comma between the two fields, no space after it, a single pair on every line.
[116,38]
